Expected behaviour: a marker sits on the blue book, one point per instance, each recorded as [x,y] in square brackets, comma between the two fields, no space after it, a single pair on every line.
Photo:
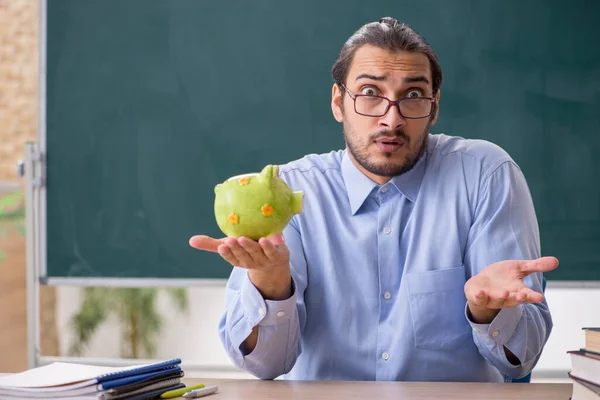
[124,382]
[132,372]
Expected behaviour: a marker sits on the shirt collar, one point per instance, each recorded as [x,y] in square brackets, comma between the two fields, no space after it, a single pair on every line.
[409,182]
[359,186]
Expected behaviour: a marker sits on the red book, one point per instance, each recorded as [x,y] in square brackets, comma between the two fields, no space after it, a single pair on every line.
[584,390]
[585,366]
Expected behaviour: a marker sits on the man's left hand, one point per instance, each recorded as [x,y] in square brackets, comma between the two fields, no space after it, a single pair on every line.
[500,285]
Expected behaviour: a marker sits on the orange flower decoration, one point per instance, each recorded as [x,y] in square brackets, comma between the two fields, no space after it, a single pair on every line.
[267,210]
[244,181]
[233,219]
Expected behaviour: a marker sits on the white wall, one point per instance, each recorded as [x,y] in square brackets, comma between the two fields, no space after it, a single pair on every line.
[572,309]
[192,336]
[194,339]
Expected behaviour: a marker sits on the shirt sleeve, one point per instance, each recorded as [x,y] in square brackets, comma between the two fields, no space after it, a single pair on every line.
[278,322]
[505,228]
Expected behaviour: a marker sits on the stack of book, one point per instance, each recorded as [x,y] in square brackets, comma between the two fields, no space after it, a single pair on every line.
[585,367]
[79,381]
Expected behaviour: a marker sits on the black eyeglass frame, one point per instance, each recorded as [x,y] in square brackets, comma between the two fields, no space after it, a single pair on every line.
[390,103]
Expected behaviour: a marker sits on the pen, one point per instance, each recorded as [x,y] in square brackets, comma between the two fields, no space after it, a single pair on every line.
[200,392]
[178,392]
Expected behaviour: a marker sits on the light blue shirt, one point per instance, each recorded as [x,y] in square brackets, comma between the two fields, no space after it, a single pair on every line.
[379,273]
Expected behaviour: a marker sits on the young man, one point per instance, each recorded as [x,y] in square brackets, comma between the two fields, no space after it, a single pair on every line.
[416,256]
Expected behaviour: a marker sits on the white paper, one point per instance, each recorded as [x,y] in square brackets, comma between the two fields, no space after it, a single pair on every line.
[57,374]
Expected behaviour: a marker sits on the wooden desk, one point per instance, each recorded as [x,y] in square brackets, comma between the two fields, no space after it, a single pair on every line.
[230,389]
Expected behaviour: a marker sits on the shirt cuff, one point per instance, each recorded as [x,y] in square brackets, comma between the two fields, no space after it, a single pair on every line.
[502,327]
[259,311]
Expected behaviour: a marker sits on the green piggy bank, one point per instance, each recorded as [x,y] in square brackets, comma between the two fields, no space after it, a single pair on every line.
[255,205]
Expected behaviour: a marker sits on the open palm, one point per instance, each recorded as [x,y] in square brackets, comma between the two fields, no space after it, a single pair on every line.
[500,285]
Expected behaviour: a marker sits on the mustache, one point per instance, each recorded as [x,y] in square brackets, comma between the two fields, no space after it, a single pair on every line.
[399,133]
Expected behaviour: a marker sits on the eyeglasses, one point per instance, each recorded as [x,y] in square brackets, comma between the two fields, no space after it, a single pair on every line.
[378,106]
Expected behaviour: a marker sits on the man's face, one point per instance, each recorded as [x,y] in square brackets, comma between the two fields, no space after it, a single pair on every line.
[382,147]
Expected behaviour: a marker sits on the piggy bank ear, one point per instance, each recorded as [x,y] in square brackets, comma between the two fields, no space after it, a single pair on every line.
[268,173]
[218,187]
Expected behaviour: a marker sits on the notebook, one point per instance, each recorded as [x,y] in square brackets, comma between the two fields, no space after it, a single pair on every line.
[60,377]
[113,386]
[124,384]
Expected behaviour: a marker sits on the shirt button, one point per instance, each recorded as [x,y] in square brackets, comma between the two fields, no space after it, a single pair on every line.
[495,333]
[280,314]
[262,312]
[387,230]
[387,295]
[385,356]
[384,189]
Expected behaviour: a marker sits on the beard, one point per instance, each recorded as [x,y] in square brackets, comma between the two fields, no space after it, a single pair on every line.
[387,168]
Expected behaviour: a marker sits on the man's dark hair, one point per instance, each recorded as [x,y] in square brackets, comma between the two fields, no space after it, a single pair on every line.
[388,34]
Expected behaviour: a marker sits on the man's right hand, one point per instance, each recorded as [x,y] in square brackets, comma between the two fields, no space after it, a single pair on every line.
[267,261]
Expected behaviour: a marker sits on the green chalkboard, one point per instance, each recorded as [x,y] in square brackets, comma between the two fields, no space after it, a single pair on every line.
[150,103]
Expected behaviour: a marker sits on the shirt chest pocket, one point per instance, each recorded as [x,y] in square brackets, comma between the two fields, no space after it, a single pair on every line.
[437,307]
